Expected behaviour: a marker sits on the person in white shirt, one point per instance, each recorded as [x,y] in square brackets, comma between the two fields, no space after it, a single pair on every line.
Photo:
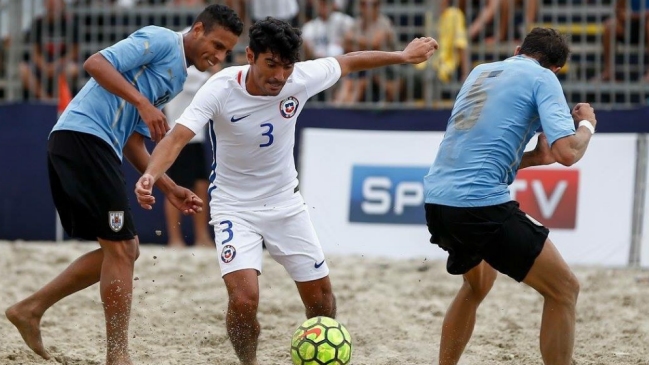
[280,9]
[251,111]
[190,169]
[324,35]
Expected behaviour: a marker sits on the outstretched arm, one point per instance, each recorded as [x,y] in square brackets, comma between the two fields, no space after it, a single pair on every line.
[136,153]
[417,51]
[163,156]
[182,198]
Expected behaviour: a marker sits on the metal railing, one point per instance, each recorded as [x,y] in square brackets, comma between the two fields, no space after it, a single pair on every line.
[98,25]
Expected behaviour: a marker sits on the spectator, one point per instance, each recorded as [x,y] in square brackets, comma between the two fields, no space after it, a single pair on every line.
[287,10]
[634,15]
[483,15]
[53,37]
[324,35]
[453,42]
[190,170]
[370,31]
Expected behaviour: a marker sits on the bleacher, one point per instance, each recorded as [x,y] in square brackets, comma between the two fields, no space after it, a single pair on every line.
[582,20]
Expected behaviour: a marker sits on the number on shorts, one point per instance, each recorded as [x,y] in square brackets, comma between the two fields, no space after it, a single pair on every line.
[269,134]
[228,229]
[477,97]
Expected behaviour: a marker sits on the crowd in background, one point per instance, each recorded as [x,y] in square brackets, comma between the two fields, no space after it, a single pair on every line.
[61,34]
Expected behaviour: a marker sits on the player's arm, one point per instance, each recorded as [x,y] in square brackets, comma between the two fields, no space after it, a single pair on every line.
[417,51]
[167,151]
[163,156]
[570,149]
[203,107]
[567,143]
[106,67]
[137,154]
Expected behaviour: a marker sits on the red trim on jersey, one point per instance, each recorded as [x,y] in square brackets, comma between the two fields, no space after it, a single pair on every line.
[239,77]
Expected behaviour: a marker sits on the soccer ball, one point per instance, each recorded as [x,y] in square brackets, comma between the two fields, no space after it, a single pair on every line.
[321,341]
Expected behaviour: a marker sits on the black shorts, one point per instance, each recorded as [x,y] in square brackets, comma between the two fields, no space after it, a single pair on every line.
[502,235]
[88,187]
[190,166]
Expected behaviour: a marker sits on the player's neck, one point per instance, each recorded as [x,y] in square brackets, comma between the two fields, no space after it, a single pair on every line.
[186,50]
[250,85]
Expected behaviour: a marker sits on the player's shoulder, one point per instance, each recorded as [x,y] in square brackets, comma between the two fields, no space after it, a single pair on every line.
[304,68]
[227,79]
[156,32]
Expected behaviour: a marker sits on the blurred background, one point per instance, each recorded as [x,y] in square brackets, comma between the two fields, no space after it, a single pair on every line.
[44,39]
[363,146]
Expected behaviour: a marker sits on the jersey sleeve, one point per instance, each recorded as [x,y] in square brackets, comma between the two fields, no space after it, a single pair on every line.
[554,112]
[320,74]
[142,128]
[142,47]
[204,106]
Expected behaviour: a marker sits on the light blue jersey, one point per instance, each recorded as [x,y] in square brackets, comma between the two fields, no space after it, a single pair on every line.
[498,110]
[153,60]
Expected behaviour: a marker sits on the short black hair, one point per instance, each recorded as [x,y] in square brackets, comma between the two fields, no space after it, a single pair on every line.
[547,46]
[276,36]
[220,15]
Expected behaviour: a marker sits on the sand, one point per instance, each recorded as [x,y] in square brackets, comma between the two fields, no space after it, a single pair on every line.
[393,309]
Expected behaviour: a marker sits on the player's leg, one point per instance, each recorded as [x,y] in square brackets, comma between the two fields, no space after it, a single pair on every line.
[239,247]
[462,232]
[318,297]
[241,319]
[552,278]
[460,317]
[201,174]
[202,236]
[26,315]
[181,173]
[116,289]
[85,271]
[525,253]
[292,241]
[174,230]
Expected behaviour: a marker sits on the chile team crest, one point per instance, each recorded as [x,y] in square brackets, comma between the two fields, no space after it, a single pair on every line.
[116,220]
[288,107]
[228,253]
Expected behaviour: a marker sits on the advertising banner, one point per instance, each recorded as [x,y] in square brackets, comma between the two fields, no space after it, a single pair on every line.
[366,194]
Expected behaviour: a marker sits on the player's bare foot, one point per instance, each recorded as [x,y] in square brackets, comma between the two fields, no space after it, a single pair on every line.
[176,244]
[29,326]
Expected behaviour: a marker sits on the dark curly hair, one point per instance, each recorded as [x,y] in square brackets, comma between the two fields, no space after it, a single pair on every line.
[276,36]
[220,15]
[547,45]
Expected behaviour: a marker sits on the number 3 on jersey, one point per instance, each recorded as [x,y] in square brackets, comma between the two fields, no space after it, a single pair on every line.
[267,133]
[228,230]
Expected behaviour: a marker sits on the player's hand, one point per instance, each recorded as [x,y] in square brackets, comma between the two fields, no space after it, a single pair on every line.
[543,151]
[155,119]
[185,200]
[420,50]
[144,191]
[583,111]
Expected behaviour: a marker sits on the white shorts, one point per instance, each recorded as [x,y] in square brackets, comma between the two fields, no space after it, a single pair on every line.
[287,232]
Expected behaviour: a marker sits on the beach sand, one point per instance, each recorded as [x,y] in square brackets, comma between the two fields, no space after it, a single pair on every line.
[393,309]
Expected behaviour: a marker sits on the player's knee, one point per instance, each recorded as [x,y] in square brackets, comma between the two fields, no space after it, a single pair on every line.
[565,291]
[137,248]
[243,301]
[477,290]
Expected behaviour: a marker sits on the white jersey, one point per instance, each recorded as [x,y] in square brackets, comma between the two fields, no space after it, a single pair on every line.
[254,166]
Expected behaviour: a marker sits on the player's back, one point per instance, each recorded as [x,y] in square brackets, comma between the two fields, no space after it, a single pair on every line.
[494,117]
[152,60]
